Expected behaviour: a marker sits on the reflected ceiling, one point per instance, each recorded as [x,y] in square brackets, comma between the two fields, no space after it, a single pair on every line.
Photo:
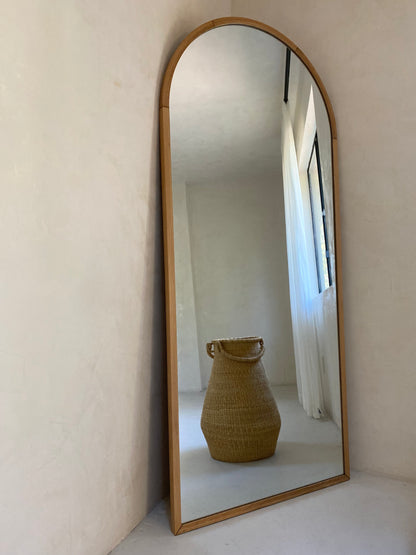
[231,110]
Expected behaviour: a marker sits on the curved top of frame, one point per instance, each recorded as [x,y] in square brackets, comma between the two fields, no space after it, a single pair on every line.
[167,78]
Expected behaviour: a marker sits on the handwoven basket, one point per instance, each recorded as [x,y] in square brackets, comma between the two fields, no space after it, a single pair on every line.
[240,419]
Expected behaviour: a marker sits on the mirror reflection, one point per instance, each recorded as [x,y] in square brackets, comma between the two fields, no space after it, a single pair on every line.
[255,274]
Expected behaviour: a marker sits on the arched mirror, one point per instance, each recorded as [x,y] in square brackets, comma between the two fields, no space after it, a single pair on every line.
[257,410]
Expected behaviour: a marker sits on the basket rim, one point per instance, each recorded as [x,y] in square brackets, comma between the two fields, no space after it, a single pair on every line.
[248,339]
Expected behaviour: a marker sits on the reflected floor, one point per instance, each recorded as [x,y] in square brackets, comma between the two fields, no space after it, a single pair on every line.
[308,451]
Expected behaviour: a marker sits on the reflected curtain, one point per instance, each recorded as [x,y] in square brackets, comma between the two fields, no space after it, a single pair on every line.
[302,279]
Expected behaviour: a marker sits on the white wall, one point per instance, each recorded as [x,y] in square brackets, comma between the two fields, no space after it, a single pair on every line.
[363,53]
[239,264]
[189,375]
[83,450]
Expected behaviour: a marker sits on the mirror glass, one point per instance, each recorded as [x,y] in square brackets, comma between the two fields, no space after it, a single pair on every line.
[255,273]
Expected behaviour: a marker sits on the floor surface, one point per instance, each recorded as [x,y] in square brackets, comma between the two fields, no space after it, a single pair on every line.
[308,450]
[369,515]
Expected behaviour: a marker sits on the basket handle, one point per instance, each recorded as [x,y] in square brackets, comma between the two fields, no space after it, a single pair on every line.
[210,349]
[255,358]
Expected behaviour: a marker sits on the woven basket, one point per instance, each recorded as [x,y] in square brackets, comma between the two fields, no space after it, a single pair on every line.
[240,419]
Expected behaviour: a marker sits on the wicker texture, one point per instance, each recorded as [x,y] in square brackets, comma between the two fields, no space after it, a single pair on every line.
[240,419]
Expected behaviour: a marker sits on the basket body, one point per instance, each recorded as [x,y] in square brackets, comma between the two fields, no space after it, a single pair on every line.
[240,419]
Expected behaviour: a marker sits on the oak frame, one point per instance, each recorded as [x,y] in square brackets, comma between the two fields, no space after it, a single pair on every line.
[172,369]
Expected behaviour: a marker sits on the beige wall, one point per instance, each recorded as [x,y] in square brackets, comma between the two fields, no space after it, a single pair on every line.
[363,51]
[83,450]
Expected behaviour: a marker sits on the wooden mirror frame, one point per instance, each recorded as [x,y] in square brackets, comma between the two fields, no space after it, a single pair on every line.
[172,362]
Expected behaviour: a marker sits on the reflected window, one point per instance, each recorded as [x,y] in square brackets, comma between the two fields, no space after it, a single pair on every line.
[320,235]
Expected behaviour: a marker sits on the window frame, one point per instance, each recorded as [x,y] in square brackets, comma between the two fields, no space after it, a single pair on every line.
[315,149]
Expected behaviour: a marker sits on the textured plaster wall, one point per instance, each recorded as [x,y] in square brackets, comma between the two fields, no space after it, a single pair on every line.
[83,450]
[363,51]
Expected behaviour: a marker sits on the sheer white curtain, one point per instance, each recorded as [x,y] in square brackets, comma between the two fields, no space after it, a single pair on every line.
[302,279]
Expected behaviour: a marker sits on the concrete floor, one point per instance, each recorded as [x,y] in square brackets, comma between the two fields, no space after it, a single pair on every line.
[308,451]
[369,515]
